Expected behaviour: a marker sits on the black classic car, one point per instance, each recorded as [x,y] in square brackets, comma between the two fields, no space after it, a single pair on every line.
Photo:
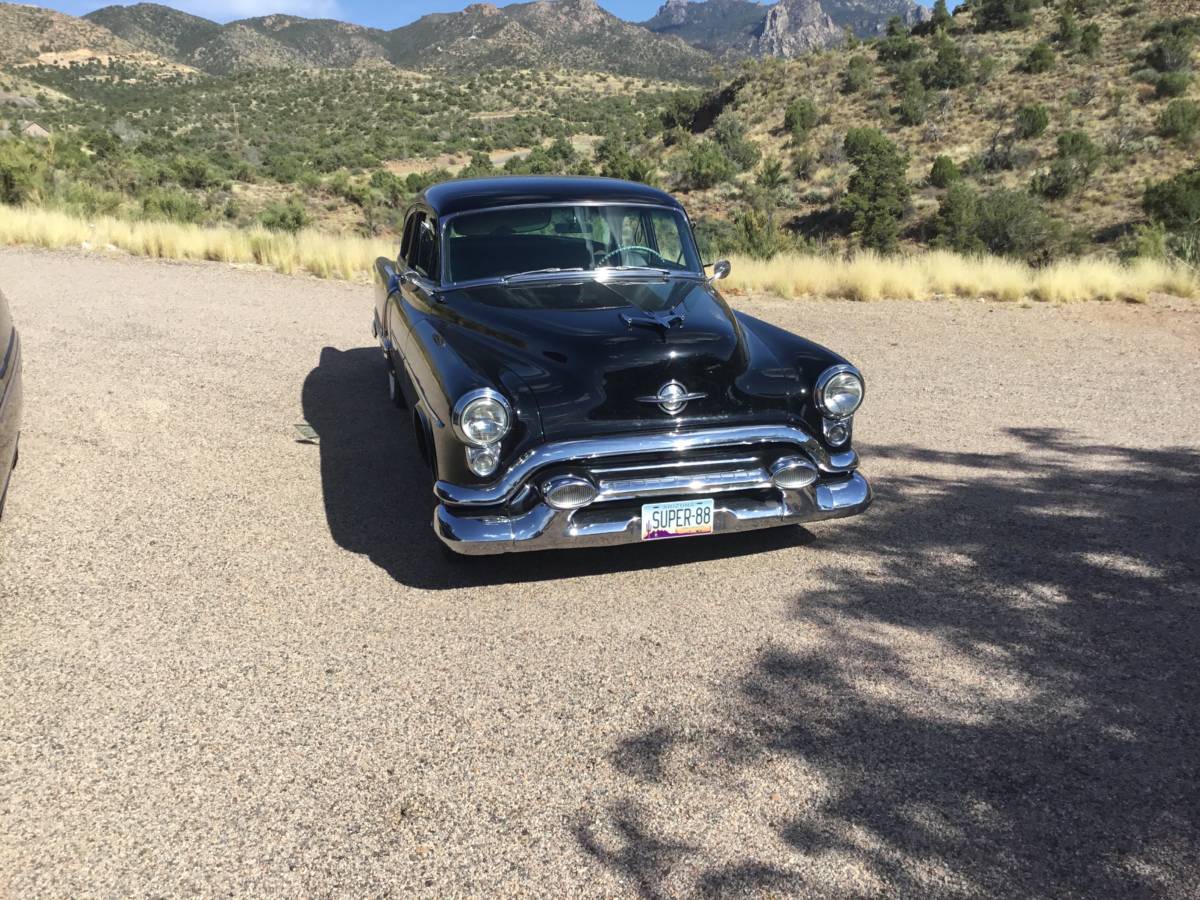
[10,398]
[575,379]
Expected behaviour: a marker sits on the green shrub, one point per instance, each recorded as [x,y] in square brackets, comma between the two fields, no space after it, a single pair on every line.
[1011,223]
[1089,39]
[956,224]
[680,110]
[1175,202]
[878,192]
[171,205]
[804,163]
[705,166]
[1180,121]
[22,173]
[801,117]
[1066,35]
[1172,84]
[1032,121]
[730,134]
[771,177]
[943,172]
[858,75]
[290,216]
[1072,169]
[1171,53]
[1039,59]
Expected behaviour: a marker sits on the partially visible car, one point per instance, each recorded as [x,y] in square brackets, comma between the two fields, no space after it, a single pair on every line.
[10,398]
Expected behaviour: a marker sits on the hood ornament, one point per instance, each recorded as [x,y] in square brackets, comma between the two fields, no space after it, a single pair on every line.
[672,398]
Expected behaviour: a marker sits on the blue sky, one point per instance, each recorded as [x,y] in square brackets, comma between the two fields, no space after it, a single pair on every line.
[364,12]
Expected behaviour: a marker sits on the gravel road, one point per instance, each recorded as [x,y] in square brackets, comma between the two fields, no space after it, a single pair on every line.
[236,663]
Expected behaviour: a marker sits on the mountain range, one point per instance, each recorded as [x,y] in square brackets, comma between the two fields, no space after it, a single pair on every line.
[681,42]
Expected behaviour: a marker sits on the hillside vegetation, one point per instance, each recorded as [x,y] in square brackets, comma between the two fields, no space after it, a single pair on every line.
[1035,132]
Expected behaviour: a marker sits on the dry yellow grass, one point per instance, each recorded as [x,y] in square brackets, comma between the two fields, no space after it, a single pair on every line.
[323,255]
[866,276]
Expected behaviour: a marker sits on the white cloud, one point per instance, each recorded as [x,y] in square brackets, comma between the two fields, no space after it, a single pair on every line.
[227,10]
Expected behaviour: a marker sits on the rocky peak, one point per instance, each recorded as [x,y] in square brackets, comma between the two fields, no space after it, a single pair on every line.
[482,10]
[793,27]
[673,12]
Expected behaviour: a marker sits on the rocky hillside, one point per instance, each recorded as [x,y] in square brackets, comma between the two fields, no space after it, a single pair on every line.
[27,32]
[575,34]
[786,28]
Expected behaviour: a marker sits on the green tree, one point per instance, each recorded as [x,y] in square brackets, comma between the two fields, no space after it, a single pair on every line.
[878,191]
[940,18]
[948,69]
[729,131]
[956,224]
[1072,168]
[1089,40]
[1002,15]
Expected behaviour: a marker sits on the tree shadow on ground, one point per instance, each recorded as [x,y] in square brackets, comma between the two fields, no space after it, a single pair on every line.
[998,693]
[379,501]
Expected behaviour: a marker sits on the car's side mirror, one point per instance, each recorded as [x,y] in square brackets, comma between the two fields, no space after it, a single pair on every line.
[721,270]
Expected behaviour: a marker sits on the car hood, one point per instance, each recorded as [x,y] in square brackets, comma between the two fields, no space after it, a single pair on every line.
[592,352]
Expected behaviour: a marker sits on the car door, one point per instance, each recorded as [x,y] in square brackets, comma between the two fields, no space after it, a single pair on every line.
[412,310]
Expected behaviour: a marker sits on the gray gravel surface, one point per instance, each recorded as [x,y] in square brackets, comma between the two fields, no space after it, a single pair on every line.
[236,663]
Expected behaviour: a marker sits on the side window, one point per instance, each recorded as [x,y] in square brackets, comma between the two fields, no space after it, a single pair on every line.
[406,242]
[425,258]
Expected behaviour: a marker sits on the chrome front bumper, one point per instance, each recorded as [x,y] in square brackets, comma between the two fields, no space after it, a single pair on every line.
[510,515]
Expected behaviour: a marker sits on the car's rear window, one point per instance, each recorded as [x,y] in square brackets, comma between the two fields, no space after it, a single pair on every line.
[499,242]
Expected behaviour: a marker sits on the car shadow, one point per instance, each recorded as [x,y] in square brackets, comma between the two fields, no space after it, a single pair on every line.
[379,501]
[998,696]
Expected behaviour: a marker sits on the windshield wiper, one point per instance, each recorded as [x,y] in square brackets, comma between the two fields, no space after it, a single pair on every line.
[534,273]
[636,270]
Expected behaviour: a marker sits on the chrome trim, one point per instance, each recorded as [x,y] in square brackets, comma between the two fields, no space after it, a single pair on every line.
[470,397]
[585,449]
[543,528]
[823,380]
[699,483]
[828,424]
[670,401]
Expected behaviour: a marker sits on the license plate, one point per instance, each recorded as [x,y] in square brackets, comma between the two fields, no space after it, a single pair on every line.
[682,518]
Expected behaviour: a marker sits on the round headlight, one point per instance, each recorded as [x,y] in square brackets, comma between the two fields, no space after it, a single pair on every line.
[482,417]
[839,391]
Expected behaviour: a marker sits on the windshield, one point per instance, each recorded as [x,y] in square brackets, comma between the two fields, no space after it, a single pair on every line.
[500,242]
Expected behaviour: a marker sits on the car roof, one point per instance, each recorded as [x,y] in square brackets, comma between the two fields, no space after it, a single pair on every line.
[472,194]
